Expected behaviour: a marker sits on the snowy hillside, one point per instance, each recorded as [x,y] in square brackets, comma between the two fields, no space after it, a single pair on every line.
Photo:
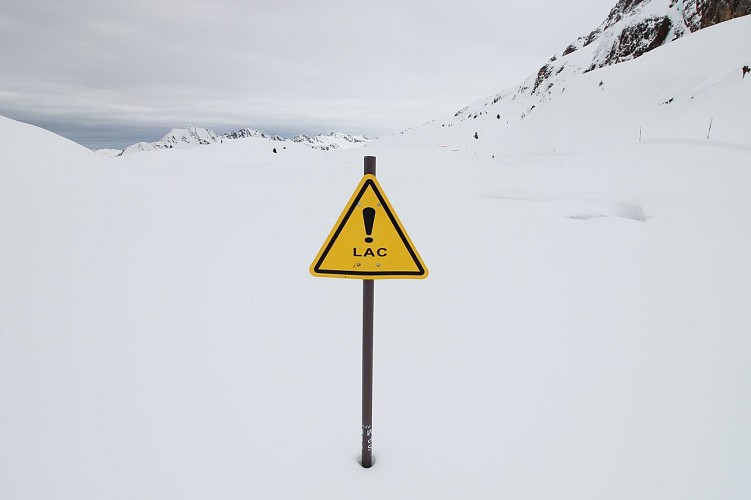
[25,144]
[583,334]
[632,29]
[674,93]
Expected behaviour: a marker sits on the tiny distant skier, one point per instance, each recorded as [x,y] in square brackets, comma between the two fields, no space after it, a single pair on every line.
[745,70]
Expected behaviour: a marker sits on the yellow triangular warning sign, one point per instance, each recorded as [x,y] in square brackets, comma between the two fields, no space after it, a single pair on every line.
[368,241]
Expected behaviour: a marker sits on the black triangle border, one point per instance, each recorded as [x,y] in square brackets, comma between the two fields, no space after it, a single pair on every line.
[397,226]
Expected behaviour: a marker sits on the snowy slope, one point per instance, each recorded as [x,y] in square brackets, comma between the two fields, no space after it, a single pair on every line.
[669,94]
[633,28]
[583,333]
[21,140]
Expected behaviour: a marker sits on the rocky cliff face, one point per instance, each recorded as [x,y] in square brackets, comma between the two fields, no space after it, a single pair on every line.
[662,25]
[634,27]
[717,11]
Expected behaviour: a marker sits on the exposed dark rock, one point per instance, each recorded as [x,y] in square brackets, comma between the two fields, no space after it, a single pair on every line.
[690,13]
[568,50]
[717,11]
[543,74]
[592,37]
[641,38]
[621,9]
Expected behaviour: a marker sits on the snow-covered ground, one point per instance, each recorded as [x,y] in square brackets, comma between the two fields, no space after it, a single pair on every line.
[583,334]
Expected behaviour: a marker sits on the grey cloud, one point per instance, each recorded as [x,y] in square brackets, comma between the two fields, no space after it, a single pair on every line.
[355,66]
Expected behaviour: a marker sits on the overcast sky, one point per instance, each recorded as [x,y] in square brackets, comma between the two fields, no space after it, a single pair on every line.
[110,73]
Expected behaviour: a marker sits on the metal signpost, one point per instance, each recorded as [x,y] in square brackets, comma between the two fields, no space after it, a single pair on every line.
[368,242]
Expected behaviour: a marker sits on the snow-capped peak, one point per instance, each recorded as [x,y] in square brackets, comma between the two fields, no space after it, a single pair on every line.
[182,138]
[245,133]
[332,140]
[196,136]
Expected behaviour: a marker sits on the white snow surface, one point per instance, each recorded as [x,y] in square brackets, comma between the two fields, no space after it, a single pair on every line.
[583,333]
[108,152]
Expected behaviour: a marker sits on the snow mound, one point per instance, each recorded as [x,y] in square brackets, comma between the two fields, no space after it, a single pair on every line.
[108,152]
[24,143]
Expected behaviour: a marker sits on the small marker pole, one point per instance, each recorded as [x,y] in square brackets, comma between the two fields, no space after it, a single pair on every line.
[367,353]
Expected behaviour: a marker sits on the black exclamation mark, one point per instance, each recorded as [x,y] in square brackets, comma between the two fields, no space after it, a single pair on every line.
[368,215]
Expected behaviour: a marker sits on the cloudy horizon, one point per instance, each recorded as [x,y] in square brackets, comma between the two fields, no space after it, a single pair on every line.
[108,74]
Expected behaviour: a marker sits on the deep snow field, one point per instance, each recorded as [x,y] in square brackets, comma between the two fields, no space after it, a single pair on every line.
[584,332]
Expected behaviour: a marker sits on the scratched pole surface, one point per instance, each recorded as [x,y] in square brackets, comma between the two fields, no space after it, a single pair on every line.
[367,354]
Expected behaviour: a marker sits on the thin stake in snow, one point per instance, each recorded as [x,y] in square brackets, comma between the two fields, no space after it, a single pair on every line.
[710,127]
[368,294]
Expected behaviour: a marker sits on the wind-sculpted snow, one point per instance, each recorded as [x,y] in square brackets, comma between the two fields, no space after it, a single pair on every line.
[580,208]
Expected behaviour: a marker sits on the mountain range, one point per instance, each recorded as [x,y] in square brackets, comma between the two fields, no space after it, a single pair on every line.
[186,138]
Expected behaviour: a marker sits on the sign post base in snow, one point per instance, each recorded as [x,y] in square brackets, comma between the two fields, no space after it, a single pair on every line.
[368,242]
